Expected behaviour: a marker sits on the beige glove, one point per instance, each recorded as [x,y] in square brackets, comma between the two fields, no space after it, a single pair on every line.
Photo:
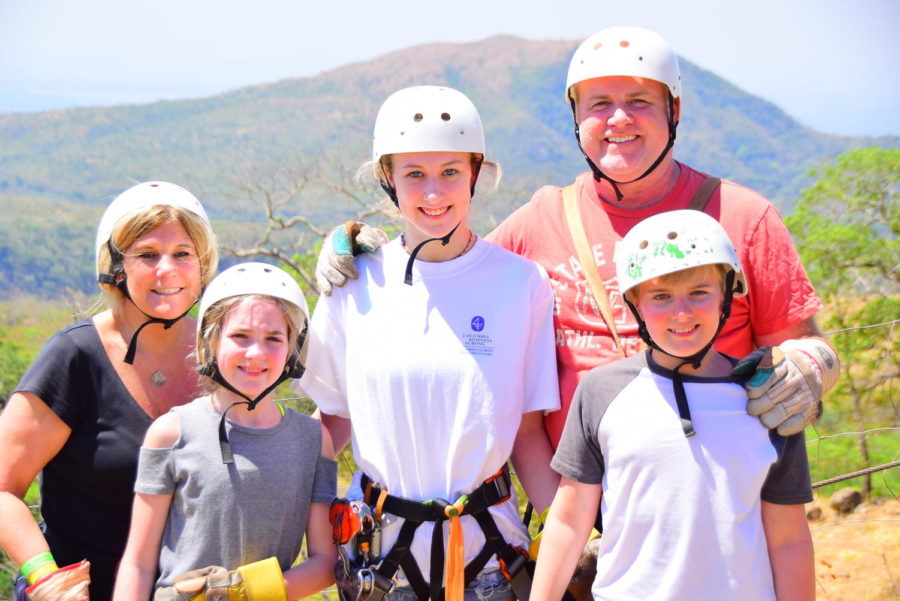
[336,262]
[65,584]
[789,380]
[259,581]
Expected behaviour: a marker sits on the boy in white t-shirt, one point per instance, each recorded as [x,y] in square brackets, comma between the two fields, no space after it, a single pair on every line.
[699,501]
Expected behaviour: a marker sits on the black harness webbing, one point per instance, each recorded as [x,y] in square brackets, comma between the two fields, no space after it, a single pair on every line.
[491,492]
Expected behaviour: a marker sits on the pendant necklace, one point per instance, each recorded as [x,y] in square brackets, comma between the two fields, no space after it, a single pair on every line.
[158,378]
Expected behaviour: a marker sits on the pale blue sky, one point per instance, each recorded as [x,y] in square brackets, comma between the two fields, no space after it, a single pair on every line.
[831,64]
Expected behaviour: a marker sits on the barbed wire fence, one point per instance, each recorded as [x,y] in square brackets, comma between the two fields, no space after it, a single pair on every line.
[891,379]
[855,550]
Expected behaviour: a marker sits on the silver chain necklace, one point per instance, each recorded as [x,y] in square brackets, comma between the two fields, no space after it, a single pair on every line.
[158,378]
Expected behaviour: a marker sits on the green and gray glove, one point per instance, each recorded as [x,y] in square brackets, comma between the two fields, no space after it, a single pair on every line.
[336,262]
[259,581]
[788,381]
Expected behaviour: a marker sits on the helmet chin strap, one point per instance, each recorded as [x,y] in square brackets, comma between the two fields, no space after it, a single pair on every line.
[117,279]
[445,240]
[599,175]
[132,344]
[211,370]
[684,412]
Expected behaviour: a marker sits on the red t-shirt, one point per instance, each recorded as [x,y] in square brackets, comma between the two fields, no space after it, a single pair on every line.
[780,293]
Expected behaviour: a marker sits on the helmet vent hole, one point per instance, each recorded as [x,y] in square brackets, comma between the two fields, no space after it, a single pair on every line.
[624,44]
[672,235]
[640,58]
[418,117]
[445,116]
[462,132]
[644,244]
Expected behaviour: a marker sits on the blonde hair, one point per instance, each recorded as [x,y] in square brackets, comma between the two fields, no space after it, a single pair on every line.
[718,270]
[129,230]
[211,329]
[374,171]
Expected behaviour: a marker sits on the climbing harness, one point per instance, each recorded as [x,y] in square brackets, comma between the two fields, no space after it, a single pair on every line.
[369,576]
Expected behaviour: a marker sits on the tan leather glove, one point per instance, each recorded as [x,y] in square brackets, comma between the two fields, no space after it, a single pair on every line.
[65,584]
[336,263]
[788,382]
[259,581]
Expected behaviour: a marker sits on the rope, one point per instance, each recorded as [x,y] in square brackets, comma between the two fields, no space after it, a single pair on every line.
[868,470]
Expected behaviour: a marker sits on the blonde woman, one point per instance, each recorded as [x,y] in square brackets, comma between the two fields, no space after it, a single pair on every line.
[82,409]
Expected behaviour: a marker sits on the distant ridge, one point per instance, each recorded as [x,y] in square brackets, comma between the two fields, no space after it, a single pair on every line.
[71,163]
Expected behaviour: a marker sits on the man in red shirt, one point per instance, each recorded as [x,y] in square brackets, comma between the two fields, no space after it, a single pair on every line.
[624,89]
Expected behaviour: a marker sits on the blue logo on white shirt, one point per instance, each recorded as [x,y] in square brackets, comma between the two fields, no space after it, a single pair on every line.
[478,343]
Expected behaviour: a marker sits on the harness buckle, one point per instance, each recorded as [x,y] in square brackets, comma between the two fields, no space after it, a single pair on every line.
[501,483]
[362,583]
[510,566]
[373,586]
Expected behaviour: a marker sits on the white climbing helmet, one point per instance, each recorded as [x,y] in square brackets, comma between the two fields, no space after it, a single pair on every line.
[255,278]
[625,51]
[139,197]
[673,241]
[427,119]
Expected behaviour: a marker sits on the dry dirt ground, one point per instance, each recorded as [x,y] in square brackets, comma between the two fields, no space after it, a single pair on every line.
[858,555]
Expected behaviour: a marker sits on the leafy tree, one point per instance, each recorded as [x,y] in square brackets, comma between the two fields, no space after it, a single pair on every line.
[846,226]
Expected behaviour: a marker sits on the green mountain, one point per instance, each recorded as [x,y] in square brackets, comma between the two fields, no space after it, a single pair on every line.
[58,169]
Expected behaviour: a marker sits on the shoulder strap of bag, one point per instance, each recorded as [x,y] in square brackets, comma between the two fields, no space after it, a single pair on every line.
[704,192]
[586,258]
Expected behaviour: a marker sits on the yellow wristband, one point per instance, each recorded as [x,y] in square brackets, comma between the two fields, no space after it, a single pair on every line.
[38,573]
[38,566]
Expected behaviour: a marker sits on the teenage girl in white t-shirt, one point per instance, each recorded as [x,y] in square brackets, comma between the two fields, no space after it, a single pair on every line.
[438,360]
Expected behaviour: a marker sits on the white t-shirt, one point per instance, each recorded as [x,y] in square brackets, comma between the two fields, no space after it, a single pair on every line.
[681,516]
[436,376]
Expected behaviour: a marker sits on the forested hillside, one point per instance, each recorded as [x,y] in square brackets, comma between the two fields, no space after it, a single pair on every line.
[58,169]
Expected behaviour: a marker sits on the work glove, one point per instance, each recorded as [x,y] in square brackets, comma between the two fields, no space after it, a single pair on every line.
[65,584]
[336,263]
[788,381]
[259,581]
